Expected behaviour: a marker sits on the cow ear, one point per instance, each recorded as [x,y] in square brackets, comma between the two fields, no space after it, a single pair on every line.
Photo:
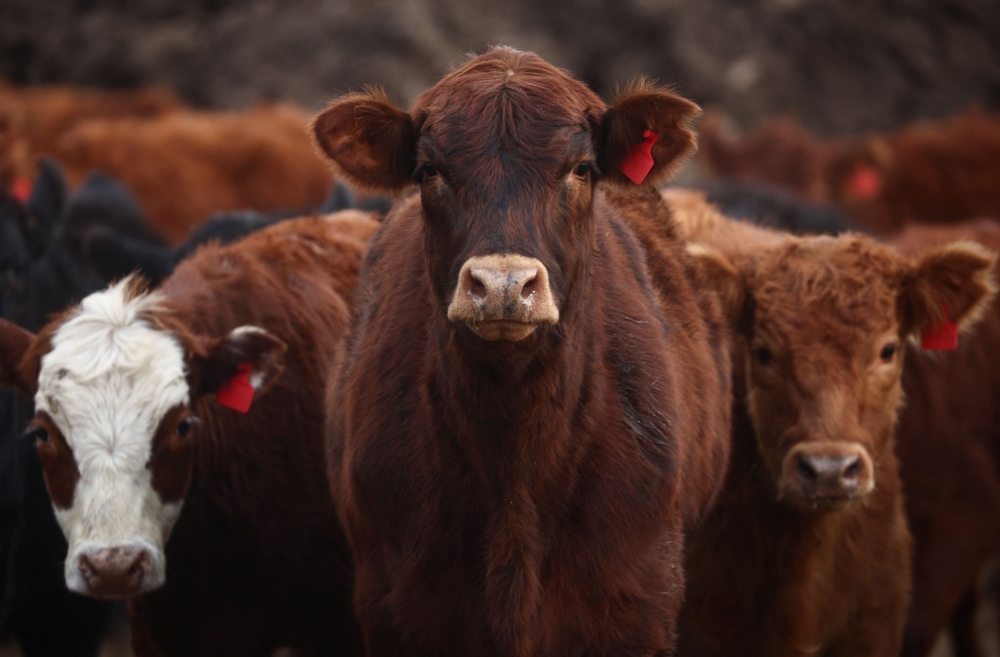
[716,273]
[243,364]
[372,143]
[948,286]
[14,344]
[645,134]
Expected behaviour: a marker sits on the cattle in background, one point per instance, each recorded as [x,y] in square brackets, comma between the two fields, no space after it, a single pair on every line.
[775,208]
[807,550]
[941,171]
[186,166]
[115,255]
[949,450]
[256,557]
[35,606]
[33,119]
[516,441]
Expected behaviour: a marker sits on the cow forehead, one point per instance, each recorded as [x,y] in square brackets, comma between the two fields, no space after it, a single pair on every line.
[819,288]
[111,376]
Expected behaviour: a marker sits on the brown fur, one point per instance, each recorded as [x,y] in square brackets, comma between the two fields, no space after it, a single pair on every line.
[516,498]
[257,559]
[949,451]
[186,166]
[769,573]
[932,171]
[33,119]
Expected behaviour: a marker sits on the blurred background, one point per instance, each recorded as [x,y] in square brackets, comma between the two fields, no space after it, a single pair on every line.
[837,66]
[843,79]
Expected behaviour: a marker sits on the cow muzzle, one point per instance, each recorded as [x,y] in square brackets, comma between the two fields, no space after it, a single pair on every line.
[503,297]
[827,474]
[115,572]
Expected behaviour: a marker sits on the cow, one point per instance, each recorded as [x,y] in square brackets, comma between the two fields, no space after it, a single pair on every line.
[259,159]
[775,208]
[949,452]
[807,550]
[116,255]
[139,427]
[34,119]
[940,171]
[522,423]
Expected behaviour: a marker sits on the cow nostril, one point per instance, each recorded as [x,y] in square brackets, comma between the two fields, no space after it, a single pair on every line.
[805,470]
[529,287]
[135,570]
[476,287]
[853,470]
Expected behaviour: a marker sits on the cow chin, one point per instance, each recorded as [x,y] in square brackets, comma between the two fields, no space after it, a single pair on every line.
[503,330]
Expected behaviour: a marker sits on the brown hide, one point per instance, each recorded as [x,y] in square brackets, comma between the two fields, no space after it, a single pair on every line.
[932,171]
[33,119]
[948,441]
[186,166]
[821,323]
[257,559]
[518,498]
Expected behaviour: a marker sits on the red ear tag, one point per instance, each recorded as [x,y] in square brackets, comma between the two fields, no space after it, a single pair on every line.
[940,337]
[21,190]
[237,393]
[864,184]
[639,161]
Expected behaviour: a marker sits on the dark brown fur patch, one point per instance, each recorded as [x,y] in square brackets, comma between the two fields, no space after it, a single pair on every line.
[170,463]
[58,462]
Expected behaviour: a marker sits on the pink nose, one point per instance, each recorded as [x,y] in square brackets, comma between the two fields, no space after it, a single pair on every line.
[116,572]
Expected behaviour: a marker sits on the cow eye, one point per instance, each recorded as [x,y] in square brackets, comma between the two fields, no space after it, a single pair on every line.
[424,171]
[37,434]
[184,426]
[888,352]
[764,355]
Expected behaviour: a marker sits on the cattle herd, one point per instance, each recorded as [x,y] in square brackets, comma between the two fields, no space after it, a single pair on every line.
[517,398]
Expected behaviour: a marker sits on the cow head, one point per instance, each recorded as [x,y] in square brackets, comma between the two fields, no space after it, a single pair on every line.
[114,392]
[507,153]
[822,323]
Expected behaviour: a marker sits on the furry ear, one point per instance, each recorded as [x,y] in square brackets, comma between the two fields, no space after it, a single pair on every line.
[949,283]
[715,272]
[644,118]
[249,357]
[14,343]
[372,143]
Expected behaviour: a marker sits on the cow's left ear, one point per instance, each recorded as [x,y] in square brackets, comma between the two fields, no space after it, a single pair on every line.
[645,134]
[948,288]
[14,344]
[240,366]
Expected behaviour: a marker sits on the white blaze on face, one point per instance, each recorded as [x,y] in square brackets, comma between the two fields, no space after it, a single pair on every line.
[107,383]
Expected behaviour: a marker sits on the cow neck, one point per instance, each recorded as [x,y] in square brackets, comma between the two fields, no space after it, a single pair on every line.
[515,405]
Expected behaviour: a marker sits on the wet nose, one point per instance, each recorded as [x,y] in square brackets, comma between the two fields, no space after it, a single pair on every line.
[116,572]
[834,474]
[505,284]
[503,296]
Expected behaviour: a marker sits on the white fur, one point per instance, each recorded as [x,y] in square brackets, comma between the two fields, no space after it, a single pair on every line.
[108,381]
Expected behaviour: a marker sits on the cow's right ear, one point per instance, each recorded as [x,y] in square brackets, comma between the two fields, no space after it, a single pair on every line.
[717,274]
[372,143]
[14,343]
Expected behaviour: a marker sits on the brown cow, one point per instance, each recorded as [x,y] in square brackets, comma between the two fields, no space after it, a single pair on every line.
[931,171]
[949,451]
[807,551]
[186,166]
[33,119]
[136,449]
[515,438]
